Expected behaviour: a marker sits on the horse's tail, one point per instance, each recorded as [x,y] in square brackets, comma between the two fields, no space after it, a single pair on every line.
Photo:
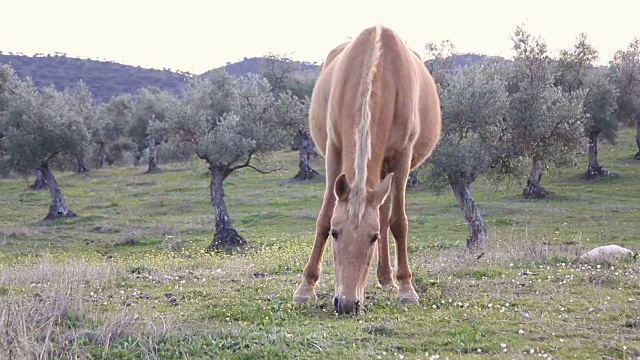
[363,132]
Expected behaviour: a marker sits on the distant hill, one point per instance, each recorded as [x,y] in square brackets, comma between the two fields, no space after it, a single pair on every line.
[106,79]
[253,65]
[462,60]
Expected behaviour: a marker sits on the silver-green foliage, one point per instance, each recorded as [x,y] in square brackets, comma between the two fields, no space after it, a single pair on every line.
[40,125]
[625,74]
[231,120]
[114,118]
[576,72]
[82,106]
[600,106]
[475,129]
[8,80]
[575,65]
[548,123]
[149,105]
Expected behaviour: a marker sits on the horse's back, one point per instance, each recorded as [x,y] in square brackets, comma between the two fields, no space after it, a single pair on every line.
[405,106]
[429,115]
[413,103]
[320,99]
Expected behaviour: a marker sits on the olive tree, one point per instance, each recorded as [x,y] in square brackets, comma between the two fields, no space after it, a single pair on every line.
[548,123]
[298,111]
[475,137]
[81,104]
[575,65]
[577,73]
[110,130]
[625,74]
[150,105]
[39,127]
[8,79]
[285,75]
[8,82]
[440,61]
[601,121]
[230,122]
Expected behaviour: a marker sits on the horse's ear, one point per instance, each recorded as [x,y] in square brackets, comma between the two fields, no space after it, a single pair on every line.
[341,187]
[382,190]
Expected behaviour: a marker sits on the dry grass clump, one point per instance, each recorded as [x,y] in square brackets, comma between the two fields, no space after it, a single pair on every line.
[49,310]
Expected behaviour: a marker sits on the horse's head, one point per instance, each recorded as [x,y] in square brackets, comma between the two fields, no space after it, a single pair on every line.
[354,241]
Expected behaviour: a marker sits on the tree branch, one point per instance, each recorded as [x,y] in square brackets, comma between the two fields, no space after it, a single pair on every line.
[247,165]
[52,156]
[264,171]
[203,157]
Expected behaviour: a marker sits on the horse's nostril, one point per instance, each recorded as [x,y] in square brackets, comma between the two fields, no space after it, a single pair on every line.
[345,306]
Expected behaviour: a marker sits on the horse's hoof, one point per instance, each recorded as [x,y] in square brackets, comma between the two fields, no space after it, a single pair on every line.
[301,296]
[302,299]
[408,298]
[389,286]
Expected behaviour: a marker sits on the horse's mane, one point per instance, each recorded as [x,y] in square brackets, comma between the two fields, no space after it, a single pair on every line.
[358,194]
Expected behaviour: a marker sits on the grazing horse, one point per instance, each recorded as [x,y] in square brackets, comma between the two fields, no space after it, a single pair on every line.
[375,116]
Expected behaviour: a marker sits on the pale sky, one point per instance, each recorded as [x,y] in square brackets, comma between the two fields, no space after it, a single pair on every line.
[197,36]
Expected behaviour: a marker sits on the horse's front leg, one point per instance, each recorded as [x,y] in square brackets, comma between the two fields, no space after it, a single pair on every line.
[312,271]
[399,228]
[384,273]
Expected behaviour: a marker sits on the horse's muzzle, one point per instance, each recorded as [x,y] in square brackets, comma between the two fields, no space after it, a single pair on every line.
[346,307]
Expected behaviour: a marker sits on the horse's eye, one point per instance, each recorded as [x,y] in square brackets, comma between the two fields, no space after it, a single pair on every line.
[334,234]
[375,238]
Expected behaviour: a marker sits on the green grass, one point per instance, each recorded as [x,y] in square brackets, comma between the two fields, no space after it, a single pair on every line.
[129,277]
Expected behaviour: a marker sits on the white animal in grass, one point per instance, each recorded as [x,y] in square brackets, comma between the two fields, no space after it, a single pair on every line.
[608,251]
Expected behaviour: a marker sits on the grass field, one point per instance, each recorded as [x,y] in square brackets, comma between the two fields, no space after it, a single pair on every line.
[129,277]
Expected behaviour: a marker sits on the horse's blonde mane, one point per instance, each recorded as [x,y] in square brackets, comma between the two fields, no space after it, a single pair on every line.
[357,198]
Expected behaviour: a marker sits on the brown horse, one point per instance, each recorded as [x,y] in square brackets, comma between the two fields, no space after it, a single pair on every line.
[375,116]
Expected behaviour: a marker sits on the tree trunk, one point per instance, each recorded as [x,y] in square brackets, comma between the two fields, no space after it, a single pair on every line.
[594,170]
[637,157]
[101,156]
[153,156]
[40,183]
[412,180]
[82,165]
[226,235]
[305,149]
[58,209]
[534,190]
[477,231]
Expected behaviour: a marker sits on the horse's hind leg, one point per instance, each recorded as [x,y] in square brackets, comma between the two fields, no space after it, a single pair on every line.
[311,274]
[399,228]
